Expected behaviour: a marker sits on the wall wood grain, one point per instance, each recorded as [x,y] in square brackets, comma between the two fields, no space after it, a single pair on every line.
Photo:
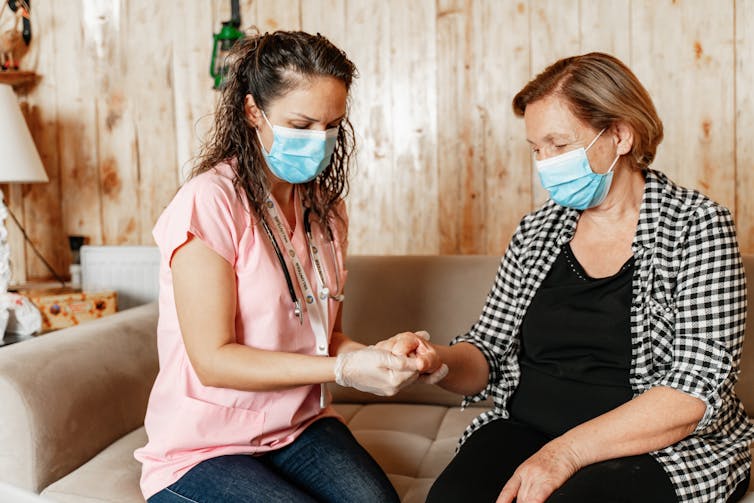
[125,99]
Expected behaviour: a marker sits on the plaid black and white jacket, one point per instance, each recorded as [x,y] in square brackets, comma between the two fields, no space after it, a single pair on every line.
[688,315]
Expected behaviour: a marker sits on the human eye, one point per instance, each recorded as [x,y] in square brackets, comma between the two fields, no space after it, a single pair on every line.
[301,125]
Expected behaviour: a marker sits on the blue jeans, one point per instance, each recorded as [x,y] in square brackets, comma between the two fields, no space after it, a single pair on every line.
[324,464]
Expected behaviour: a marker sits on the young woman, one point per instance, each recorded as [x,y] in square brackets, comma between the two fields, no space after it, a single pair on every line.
[251,288]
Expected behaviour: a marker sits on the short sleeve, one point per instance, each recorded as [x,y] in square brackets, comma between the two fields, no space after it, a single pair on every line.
[206,207]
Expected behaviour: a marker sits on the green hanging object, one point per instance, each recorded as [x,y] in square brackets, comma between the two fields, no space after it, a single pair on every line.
[223,42]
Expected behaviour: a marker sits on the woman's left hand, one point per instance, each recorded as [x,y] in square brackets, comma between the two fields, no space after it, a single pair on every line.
[540,475]
[416,345]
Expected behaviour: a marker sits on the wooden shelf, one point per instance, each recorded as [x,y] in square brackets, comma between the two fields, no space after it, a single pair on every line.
[17,77]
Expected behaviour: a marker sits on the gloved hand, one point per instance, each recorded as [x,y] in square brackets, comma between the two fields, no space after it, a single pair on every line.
[375,371]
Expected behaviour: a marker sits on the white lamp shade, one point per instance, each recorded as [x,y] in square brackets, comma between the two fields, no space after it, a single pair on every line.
[19,159]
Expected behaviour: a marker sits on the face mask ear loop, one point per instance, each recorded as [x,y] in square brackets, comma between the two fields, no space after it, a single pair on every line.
[259,137]
[595,139]
[613,164]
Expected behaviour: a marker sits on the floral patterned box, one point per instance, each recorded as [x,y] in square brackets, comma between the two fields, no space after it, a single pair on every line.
[65,307]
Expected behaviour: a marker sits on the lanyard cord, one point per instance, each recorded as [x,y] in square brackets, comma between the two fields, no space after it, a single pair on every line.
[314,254]
[291,290]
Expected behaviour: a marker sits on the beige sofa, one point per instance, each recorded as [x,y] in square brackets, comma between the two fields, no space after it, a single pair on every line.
[72,402]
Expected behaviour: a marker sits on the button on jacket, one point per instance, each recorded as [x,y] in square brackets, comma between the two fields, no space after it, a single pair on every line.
[688,318]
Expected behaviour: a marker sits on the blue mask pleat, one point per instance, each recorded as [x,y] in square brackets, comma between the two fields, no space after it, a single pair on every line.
[571,181]
[299,156]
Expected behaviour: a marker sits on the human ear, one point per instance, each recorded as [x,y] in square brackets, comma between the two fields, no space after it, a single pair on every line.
[252,111]
[625,137]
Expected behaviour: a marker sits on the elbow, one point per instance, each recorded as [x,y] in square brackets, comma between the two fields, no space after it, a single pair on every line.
[697,410]
[206,377]
[206,371]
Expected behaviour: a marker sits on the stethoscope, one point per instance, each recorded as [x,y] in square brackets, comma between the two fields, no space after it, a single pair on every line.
[314,255]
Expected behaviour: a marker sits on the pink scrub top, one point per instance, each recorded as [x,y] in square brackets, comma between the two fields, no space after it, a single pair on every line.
[187,422]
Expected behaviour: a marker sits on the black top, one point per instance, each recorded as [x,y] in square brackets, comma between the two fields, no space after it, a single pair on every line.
[575,347]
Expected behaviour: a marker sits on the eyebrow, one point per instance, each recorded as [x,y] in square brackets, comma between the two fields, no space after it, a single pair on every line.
[312,119]
[553,136]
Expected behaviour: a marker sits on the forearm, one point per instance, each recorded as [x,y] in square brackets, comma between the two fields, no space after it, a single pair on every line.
[340,343]
[468,369]
[654,420]
[240,367]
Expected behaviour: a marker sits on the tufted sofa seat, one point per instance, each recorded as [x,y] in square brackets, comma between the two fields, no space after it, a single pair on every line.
[72,403]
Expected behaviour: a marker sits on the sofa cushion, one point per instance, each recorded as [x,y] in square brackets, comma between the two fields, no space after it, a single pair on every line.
[72,392]
[412,443]
[112,475]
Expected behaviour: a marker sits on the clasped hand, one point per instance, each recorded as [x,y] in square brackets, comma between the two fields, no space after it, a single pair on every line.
[391,365]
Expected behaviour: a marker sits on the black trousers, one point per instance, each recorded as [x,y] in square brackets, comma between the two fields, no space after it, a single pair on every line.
[490,456]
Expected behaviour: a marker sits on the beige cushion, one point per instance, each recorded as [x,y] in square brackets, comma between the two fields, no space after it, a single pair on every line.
[412,443]
[68,394]
[112,475]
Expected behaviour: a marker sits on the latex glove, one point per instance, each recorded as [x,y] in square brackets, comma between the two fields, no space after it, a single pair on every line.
[375,371]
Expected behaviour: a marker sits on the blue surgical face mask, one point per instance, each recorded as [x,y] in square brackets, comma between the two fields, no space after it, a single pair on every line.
[571,181]
[298,155]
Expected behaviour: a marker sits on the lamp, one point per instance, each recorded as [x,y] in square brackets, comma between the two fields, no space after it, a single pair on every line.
[19,163]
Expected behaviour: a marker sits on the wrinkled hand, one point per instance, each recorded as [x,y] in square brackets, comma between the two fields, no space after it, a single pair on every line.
[375,371]
[540,475]
[416,345]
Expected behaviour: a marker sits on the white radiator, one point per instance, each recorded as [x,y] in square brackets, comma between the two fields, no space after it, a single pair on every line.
[132,271]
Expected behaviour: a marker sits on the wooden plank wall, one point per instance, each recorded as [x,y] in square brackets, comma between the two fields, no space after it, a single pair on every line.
[442,167]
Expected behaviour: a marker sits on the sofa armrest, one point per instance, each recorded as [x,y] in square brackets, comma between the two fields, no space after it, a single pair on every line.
[67,395]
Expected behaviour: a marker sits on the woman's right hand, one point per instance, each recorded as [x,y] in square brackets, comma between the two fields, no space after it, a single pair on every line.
[375,371]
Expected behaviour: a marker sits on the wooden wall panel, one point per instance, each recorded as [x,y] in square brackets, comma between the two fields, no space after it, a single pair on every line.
[682,54]
[125,101]
[278,15]
[327,17]
[193,100]
[74,76]
[111,48]
[371,114]
[42,213]
[502,67]
[460,184]
[606,27]
[555,32]
[150,78]
[744,123]
[413,184]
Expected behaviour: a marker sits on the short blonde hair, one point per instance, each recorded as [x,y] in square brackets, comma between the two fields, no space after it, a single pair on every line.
[600,90]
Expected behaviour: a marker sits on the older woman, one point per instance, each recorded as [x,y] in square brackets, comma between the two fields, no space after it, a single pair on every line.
[611,338]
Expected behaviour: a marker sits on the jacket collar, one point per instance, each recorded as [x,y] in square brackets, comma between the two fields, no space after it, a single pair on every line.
[655,185]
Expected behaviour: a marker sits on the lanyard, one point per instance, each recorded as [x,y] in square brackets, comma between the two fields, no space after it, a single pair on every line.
[316,305]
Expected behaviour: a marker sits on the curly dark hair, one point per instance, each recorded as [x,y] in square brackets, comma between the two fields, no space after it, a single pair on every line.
[267,66]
